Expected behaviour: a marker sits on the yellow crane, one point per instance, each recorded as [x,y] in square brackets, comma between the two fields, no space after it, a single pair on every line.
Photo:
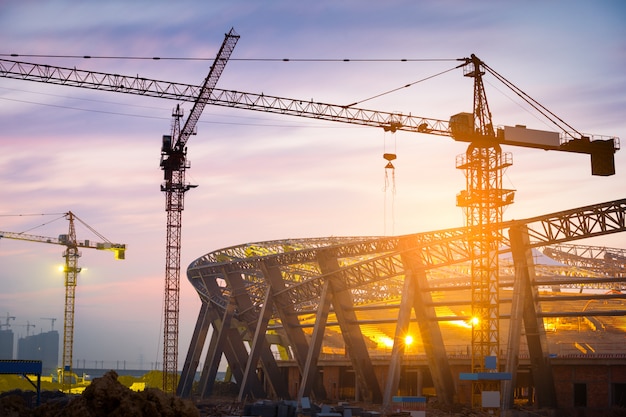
[71,271]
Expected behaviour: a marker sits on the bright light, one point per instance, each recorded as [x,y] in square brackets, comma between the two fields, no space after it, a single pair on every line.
[408,339]
[386,341]
[474,321]
[461,323]
[61,268]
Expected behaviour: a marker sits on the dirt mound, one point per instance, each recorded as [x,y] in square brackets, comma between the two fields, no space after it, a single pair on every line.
[103,397]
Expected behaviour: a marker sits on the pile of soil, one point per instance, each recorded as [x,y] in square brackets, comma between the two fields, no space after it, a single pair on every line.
[103,397]
[106,396]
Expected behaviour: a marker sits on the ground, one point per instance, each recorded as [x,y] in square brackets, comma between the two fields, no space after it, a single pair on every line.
[106,396]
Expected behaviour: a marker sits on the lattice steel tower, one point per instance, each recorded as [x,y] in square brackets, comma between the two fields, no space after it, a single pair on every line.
[483,201]
[174,163]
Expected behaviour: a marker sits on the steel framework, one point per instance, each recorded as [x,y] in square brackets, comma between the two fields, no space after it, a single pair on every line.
[483,200]
[281,282]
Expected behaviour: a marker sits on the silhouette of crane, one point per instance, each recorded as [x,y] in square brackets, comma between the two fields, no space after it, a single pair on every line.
[52,320]
[6,324]
[28,326]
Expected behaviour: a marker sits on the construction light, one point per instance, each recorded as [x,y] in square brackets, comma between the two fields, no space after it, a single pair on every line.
[474,321]
[408,339]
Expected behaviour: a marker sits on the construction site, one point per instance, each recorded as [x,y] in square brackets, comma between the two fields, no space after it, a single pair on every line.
[496,315]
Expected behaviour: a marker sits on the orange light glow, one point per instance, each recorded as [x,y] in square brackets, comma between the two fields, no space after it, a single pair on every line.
[385,341]
[462,323]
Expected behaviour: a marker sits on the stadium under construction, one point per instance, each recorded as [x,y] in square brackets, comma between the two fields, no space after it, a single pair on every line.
[368,318]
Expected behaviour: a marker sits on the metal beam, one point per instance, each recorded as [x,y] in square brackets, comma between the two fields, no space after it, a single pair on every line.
[430,331]
[284,307]
[310,370]
[194,353]
[526,298]
[351,331]
[399,339]
[214,355]
[258,348]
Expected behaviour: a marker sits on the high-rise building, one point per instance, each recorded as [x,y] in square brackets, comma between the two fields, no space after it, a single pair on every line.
[6,344]
[43,347]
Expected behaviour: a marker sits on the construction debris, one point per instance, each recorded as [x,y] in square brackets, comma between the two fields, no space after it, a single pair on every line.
[105,396]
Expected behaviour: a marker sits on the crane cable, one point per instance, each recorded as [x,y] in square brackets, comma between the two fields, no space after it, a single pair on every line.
[404,86]
[94,231]
[62,216]
[532,102]
[389,184]
[157,58]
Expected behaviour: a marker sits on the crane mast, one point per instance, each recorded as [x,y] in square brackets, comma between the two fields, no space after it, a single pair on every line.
[71,271]
[174,163]
[483,200]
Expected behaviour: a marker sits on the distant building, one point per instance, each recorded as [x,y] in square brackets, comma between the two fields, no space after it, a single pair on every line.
[43,347]
[6,344]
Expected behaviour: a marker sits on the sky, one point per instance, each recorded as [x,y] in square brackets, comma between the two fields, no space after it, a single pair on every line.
[262,176]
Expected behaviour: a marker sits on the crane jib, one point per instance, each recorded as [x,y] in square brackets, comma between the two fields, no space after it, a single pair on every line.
[390,121]
[209,84]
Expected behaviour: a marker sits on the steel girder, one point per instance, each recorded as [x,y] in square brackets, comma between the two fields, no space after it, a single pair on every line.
[310,370]
[195,351]
[225,339]
[419,300]
[286,313]
[527,310]
[579,223]
[601,259]
[260,349]
[367,384]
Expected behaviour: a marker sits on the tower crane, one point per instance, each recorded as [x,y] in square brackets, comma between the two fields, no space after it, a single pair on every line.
[52,320]
[174,163]
[28,326]
[484,162]
[71,271]
[601,148]
[7,324]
